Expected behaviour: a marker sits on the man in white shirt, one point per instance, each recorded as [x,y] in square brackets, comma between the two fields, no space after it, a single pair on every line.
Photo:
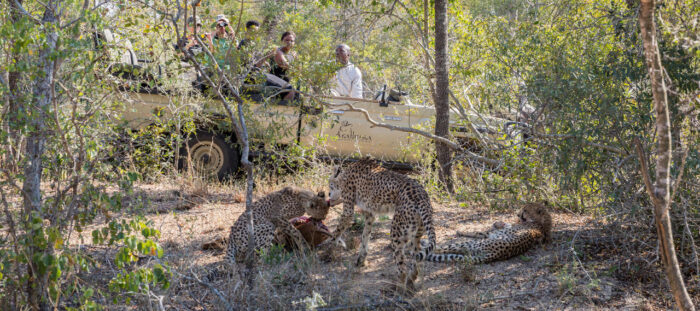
[348,79]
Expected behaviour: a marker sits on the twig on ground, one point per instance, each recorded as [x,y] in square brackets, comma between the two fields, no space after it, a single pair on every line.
[213,289]
[374,305]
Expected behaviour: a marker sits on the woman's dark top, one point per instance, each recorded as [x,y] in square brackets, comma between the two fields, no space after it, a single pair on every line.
[276,70]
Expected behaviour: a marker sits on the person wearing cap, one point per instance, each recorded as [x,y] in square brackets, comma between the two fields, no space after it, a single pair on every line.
[194,26]
[223,30]
[348,79]
[221,40]
[192,47]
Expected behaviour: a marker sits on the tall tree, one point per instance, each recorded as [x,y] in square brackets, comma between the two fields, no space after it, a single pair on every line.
[42,94]
[241,130]
[441,94]
[13,83]
[660,193]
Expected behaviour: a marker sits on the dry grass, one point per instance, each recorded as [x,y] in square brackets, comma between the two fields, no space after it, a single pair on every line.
[552,277]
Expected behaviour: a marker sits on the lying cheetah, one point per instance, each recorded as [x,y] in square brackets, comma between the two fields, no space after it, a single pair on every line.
[376,190]
[271,212]
[502,241]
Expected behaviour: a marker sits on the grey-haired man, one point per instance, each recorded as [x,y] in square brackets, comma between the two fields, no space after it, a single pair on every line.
[348,79]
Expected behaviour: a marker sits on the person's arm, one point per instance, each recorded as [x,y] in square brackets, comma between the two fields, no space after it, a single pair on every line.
[281,60]
[262,61]
[190,42]
[210,41]
[231,34]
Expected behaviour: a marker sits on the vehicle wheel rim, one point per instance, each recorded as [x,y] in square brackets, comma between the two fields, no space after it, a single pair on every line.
[207,158]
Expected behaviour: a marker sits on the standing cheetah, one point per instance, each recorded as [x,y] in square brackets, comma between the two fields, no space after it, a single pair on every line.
[502,242]
[376,190]
[271,212]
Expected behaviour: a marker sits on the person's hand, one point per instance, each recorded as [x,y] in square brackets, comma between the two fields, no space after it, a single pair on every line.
[190,42]
[231,33]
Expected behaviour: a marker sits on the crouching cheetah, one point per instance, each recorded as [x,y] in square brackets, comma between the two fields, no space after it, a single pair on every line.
[501,242]
[271,212]
[376,190]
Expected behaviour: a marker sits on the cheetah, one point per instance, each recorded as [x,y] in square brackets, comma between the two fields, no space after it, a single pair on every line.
[501,242]
[273,212]
[376,190]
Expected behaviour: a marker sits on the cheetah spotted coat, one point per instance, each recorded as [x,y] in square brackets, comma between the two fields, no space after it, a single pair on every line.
[534,227]
[273,212]
[375,190]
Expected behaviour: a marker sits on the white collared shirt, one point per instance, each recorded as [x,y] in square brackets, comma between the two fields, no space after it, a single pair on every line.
[348,82]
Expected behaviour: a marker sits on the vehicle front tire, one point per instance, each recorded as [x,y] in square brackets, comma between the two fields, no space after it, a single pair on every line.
[210,156]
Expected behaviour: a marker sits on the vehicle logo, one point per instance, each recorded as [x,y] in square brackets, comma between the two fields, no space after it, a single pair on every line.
[346,133]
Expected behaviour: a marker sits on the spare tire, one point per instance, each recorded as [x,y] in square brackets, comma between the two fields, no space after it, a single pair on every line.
[210,156]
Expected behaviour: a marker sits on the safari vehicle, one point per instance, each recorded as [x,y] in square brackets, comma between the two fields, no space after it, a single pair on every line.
[329,128]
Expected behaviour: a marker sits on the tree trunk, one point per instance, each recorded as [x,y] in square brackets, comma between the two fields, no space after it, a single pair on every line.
[241,130]
[660,193]
[13,79]
[42,96]
[441,94]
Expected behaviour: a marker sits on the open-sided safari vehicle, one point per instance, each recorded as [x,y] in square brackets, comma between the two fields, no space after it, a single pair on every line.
[318,122]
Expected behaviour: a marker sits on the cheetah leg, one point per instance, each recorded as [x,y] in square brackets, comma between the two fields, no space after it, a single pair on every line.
[263,232]
[473,235]
[416,248]
[366,233]
[486,233]
[399,241]
[410,250]
[345,220]
[264,235]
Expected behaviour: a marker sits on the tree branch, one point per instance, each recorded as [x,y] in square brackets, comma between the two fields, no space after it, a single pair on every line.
[24,12]
[452,145]
[242,134]
[592,144]
[645,171]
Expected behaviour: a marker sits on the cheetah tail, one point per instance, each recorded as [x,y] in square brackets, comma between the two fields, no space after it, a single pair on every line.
[430,231]
[427,249]
[445,257]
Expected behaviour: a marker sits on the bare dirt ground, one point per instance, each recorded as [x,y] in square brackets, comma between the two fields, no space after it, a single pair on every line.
[575,272]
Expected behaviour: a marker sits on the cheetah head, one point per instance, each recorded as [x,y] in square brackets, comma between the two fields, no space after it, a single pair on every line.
[335,192]
[316,206]
[538,214]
